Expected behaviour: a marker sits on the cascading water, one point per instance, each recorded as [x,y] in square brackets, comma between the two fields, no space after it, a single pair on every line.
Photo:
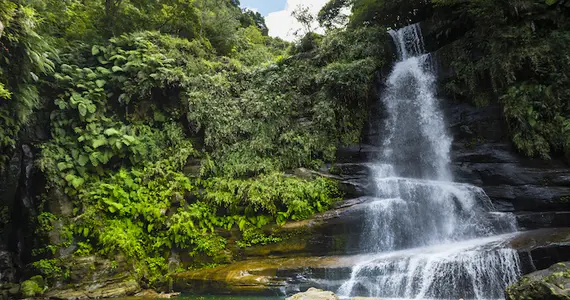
[426,237]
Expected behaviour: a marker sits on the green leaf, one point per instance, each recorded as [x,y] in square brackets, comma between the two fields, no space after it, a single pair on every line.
[85,232]
[82,109]
[100,83]
[95,50]
[116,69]
[99,142]
[241,224]
[62,166]
[83,160]
[551,2]
[102,60]
[103,71]
[112,131]
[91,108]
[113,206]
[77,182]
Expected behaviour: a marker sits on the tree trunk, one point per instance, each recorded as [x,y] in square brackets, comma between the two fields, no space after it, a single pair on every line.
[1,28]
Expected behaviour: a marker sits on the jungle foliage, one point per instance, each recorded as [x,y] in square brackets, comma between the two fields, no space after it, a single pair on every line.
[176,124]
[513,52]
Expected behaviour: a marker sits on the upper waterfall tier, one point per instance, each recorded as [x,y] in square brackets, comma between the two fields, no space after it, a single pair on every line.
[409,41]
[417,143]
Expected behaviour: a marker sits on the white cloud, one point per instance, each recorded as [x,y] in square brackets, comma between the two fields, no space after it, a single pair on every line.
[282,24]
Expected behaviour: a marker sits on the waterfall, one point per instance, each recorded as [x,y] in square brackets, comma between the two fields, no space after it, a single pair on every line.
[426,236]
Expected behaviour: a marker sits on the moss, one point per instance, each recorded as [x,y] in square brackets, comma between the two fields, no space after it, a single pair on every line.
[33,287]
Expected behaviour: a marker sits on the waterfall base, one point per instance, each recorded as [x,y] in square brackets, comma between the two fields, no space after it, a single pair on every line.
[275,276]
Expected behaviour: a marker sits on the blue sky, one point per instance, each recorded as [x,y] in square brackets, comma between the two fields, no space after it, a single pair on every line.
[264,6]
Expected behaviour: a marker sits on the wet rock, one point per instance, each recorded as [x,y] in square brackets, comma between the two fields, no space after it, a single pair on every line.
[14,290]
[94,277]
[94,291]
[314,294]
[8,268]
[59,203]
[537,220]
[275,276]
[550,284]
[358,153]
[539,249]
[329,233]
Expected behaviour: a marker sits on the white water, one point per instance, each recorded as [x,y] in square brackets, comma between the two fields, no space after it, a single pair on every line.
[427,237]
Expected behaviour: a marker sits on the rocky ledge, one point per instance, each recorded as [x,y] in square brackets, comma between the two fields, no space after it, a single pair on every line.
[95,278]
[272,275]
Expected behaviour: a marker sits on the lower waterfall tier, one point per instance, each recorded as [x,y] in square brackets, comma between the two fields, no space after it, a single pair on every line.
[474,269]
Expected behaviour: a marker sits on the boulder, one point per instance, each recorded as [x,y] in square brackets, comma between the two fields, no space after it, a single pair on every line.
[550,284]
[314,294]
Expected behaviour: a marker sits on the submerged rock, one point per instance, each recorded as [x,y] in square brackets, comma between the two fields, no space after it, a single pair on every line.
[550,284]
[314,294]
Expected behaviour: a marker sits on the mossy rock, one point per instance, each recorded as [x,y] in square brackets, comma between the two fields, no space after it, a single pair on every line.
[550,284]
[33,287]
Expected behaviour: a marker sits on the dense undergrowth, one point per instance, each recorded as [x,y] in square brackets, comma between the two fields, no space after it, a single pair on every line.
[514,52]
[172,131]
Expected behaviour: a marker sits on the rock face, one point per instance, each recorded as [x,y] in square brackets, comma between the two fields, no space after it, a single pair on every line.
[93,277]
[314,294]
[550,284]
[484,156]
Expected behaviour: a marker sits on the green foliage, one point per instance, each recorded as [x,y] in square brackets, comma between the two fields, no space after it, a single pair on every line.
[32,287]
[271,196]
[24,56]
[254,236]
[143,89]
[389,13]
[513,54]
[330,15]
[51,269]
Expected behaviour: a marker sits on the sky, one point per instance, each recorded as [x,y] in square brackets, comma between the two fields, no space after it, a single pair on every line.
[278,17]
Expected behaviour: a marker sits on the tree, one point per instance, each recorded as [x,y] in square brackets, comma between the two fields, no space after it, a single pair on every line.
[303,15]
[330,15]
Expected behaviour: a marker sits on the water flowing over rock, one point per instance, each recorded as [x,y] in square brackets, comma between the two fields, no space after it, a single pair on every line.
[428,237]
